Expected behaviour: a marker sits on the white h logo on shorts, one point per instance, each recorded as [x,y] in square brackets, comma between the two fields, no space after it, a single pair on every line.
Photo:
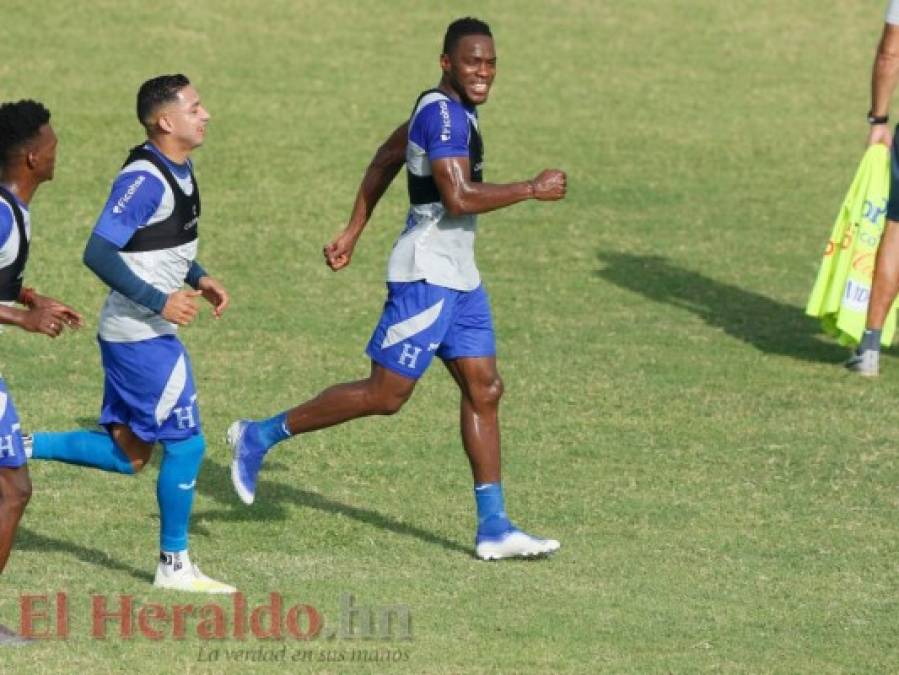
[7,449]
[184,416]
[409,352]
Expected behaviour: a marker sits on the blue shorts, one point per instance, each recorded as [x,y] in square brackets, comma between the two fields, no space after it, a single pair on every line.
[421,320]
[12,452]
[149,387]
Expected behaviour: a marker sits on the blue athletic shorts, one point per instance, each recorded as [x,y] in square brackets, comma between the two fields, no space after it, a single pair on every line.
[149,386]
[421,321]
[12,453]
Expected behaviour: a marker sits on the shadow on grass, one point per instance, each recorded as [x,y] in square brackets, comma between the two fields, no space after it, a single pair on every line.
[215,482]
[768,325]
[29,540]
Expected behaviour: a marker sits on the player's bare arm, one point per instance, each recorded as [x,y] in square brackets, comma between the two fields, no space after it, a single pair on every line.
[381,171]
[884,77]
[47,320]
[462,196]
[35,300]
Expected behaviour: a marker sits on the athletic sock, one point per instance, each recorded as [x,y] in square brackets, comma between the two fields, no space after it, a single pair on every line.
[83,447]
[175,489]
[870,341]
[492,518]
[176,560]
[270,431]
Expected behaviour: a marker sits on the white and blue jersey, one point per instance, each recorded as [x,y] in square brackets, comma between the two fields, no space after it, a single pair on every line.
[436,305]
[142,199]
[151,217]
[11,245]
[434,245]
[13,254]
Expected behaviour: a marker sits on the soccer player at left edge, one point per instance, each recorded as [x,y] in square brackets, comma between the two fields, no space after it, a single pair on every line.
[27,159]
[144,247]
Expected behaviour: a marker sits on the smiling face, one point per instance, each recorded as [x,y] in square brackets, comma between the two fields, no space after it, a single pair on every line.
[184,119]
[470,68]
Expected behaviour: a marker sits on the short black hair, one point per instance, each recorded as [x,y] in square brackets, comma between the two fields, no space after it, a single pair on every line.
[153,93]
[459,28]
[20,122]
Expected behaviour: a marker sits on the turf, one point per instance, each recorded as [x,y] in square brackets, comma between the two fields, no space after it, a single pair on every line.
[725,495]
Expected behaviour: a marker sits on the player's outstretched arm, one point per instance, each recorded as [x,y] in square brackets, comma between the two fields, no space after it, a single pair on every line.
[381,171]
[461,196]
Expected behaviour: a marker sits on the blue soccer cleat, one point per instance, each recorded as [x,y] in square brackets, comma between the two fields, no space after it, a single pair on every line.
[247,460]
[513,543]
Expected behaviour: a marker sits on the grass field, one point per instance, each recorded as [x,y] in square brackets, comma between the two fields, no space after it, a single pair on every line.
[725,495]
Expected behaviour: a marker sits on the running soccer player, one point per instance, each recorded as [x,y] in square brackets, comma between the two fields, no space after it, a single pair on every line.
[144,247]
[436,305]
[27,159]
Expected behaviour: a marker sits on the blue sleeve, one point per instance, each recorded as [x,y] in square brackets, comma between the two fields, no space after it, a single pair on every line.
[194,274]
[6,223]
[102,257]
[134,199]
[441,129]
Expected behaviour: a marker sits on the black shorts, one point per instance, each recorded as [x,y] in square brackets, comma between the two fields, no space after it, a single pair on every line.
[893,202]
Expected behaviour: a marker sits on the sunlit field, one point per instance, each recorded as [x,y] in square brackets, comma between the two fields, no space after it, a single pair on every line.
[725,495]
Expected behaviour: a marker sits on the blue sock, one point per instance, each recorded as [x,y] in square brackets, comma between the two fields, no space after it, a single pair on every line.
[175,489]
[492,518]
[271,431]
[82,447]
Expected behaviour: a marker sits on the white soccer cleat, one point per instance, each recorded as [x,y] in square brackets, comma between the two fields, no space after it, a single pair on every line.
[178,573]
[514,544]
[866,363]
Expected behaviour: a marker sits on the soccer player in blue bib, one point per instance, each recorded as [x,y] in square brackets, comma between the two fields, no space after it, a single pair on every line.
[144,247]
[436,305]
[27,159]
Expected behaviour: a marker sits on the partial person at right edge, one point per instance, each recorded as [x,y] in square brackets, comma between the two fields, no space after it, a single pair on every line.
[885,285]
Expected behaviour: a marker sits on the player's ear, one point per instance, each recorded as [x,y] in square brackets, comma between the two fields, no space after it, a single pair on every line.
[164,123]
[445,64]
[31,157]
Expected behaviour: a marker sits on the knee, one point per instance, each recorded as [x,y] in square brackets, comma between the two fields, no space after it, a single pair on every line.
[487,394]
[17,495]
[136,451]
[140,459]
[390,401]
[191,449]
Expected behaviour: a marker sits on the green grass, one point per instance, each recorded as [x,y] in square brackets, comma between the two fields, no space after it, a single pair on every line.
[725,495]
